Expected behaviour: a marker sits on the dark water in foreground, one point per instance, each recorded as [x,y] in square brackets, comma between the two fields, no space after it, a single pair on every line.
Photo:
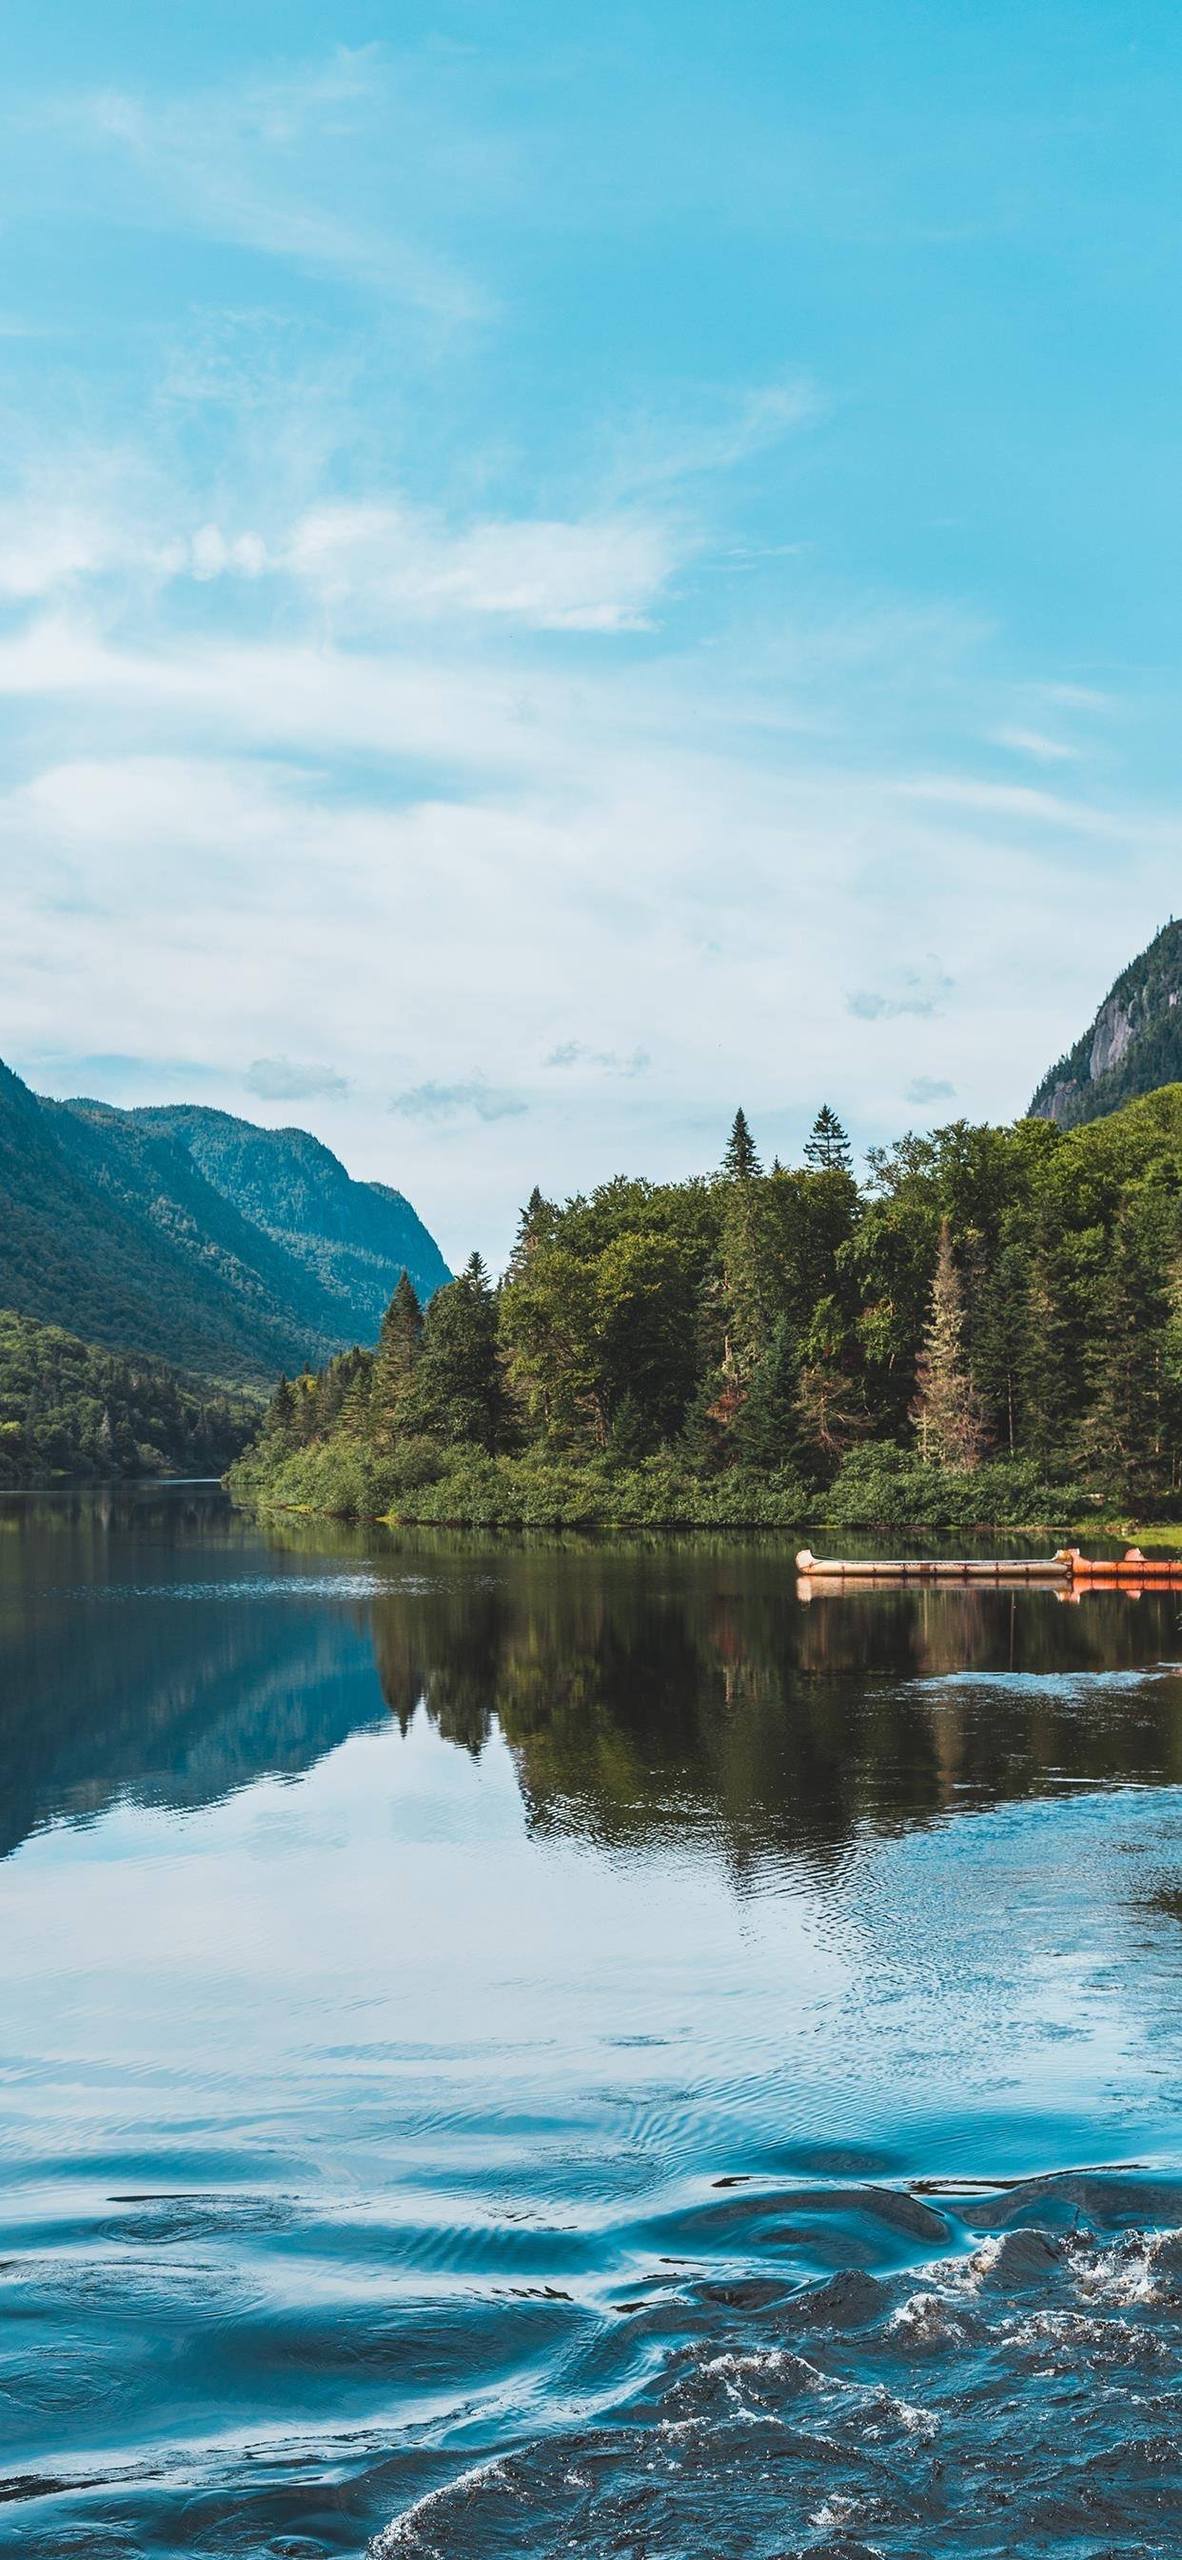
[551,2050]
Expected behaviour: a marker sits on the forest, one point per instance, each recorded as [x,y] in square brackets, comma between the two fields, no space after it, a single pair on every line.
[986,1328]
[70,1413]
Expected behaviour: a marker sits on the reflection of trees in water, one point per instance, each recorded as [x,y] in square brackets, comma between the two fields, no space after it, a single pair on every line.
[645,1687]
[642,1692]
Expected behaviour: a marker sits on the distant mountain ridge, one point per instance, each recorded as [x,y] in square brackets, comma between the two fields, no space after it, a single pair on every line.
[1133,1044]
[228,1250]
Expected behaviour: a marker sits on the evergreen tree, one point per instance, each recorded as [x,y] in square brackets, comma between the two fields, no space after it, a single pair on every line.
[1000,1313]
[458,1389]
[767,1429]
[741,1162]
[1130,1423]
[946,1412]
[1050,1377]
[280,1423]
[533,1227]
[828,1147]
[395,1360]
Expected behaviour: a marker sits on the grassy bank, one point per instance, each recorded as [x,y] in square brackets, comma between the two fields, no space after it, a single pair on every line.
[877,1488]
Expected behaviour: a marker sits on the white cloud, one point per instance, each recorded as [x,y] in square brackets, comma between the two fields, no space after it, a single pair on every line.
[210,555]
[372,565]
[1032,742]
[552,575]
[43,550]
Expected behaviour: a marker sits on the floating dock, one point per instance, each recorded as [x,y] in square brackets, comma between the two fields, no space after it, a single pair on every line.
[1066,1569]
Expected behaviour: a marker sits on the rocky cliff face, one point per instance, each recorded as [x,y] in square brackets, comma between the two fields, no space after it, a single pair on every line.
[1133,1046]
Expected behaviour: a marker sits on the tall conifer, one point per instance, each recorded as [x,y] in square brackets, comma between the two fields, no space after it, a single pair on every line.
[827,1148]
[394,1361]
[946,1412]
[741,1161]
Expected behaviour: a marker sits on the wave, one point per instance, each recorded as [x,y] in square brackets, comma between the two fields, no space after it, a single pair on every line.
[1017,2389]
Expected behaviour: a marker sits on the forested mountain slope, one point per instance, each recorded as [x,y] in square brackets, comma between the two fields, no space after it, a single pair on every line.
[353,1237]
[110,1227]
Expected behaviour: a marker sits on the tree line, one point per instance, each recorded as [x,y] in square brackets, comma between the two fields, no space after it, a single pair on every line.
[985,1298]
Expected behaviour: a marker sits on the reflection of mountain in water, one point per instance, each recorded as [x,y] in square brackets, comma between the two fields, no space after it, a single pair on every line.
[166,1648]
[114,1682]
[644,1693]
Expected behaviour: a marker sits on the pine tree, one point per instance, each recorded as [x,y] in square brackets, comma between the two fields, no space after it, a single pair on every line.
[280,1423]
[458,1390]
[741,1162]
[536,1219]
[1000,1308]
[767,1425]
[1128,1429]
[946,1412]
[828,1147]
[394,1361]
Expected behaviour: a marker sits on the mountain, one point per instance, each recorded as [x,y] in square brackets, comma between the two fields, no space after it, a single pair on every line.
[110,1226]
[353,1237]
[1133,1046]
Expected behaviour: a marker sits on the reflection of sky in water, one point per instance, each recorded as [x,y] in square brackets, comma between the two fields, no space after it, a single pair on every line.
[361,2053]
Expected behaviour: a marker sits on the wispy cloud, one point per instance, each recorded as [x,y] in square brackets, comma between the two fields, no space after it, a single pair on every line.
[443,1102]
[370,565]
[293,1080]
[1033,742]
[913,992]
[711,431]
[271,165]
[930,1089]
[599,575]
[611,1062]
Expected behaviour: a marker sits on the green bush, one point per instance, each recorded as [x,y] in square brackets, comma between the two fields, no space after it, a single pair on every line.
[883,1486]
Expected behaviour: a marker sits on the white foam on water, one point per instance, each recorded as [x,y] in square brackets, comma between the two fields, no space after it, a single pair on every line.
[394,2535]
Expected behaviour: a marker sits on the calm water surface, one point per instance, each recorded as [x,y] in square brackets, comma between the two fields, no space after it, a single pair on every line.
[570,2049]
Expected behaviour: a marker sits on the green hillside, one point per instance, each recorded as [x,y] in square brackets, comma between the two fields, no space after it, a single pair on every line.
[72,1414]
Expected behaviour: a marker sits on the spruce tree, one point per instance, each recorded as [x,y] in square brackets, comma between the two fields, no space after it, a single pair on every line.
[741,1162]
[828,1147]
[1129,1427]
[394,1360]
[458,1391]
[766,1428]
[946,1412]
[280,1423]
[1000,1308]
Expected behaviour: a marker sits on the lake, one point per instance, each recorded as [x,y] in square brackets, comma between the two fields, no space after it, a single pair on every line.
[564,2047]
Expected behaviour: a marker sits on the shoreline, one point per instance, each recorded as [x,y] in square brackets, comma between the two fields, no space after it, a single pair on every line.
[1163,1533]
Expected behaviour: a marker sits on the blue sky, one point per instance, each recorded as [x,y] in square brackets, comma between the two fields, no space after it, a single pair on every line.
[563,569]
